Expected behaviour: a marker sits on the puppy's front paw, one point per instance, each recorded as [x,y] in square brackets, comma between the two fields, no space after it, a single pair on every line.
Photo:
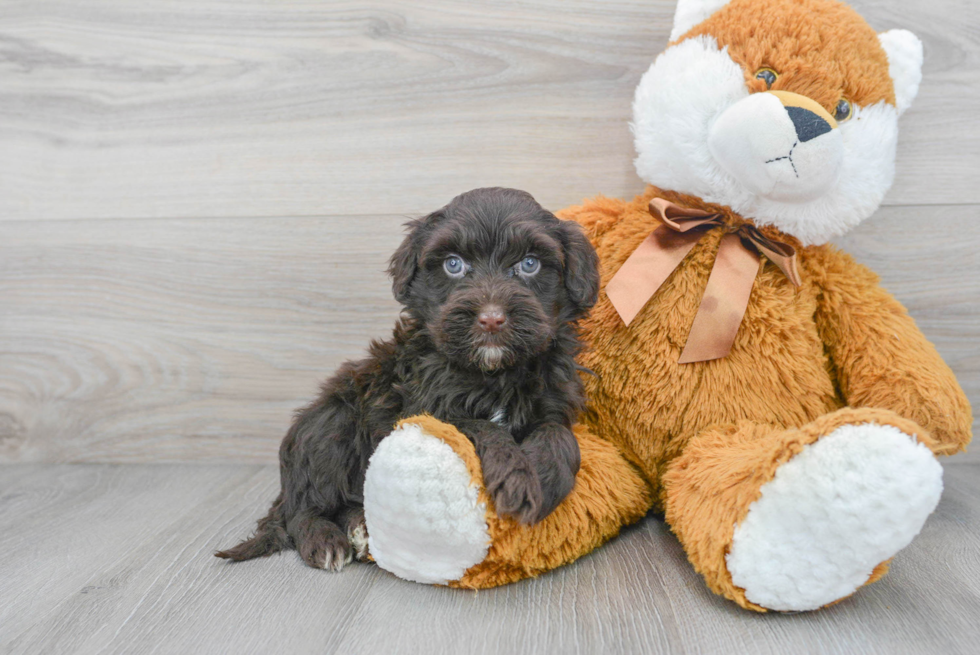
[330,552]
[518,494]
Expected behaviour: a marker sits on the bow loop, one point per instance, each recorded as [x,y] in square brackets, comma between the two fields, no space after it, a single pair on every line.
[726,295]
[781,254]
[683,219]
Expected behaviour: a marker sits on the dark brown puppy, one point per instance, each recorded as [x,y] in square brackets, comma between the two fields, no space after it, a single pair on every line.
[492,286]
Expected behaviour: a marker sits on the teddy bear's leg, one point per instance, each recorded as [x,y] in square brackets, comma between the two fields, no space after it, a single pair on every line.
[429,519]
[798,519]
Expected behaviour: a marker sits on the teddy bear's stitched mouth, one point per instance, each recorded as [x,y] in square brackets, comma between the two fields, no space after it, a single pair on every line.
[789,157]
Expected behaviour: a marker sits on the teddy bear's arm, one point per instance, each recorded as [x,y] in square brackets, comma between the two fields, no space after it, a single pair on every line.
[880,357]
[431,519]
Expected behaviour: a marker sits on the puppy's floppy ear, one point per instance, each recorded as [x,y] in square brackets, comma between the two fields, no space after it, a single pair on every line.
[581,271]
[404,263]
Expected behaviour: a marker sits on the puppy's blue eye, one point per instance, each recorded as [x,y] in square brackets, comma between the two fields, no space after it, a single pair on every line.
[530,265]
[454,266]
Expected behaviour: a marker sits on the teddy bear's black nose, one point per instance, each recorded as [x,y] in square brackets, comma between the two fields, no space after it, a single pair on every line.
[808,125]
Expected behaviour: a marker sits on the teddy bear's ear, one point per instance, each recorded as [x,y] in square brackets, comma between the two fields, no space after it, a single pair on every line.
[904,51]
[691,12]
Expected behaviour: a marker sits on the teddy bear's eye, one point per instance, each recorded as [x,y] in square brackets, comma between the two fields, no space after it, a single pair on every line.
[767,75]
[843,110]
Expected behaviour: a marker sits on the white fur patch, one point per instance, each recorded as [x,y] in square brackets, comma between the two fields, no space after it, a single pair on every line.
[904,51]
[691,12]
[690,86]
[831,514]
[358,538]
[870,138]
[756,142]
[677,101]
[490,357]
[424,521]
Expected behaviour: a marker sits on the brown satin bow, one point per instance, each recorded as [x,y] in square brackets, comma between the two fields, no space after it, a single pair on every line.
[729,285]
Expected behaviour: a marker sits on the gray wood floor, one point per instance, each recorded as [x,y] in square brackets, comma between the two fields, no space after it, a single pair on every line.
[117,559]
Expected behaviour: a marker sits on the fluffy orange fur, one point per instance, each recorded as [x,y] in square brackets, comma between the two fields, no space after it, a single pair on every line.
[698,441]
[823,50]
[837,340]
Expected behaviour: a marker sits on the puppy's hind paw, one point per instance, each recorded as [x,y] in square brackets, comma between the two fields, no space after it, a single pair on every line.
[328,550]
[337,559]
[329,556]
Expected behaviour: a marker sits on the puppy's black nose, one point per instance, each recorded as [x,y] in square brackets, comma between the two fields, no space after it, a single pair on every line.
[808,124]
[491,319]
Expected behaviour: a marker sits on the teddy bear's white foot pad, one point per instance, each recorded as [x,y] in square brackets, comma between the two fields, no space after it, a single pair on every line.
[424,520]
[831,514]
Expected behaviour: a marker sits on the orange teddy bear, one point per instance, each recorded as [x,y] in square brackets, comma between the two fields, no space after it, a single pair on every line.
[751,381]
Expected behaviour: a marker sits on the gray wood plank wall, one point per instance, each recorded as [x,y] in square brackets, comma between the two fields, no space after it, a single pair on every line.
[197,199]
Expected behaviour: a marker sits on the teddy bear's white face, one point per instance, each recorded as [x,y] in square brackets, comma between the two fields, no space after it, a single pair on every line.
[776,157]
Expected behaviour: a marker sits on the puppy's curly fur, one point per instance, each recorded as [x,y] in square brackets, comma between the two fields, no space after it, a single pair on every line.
[492,286]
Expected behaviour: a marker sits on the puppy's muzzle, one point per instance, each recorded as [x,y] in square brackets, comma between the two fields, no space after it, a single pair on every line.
[779,145]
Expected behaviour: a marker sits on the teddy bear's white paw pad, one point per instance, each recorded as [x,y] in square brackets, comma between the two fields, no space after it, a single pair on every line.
[424,520]
[831,514]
